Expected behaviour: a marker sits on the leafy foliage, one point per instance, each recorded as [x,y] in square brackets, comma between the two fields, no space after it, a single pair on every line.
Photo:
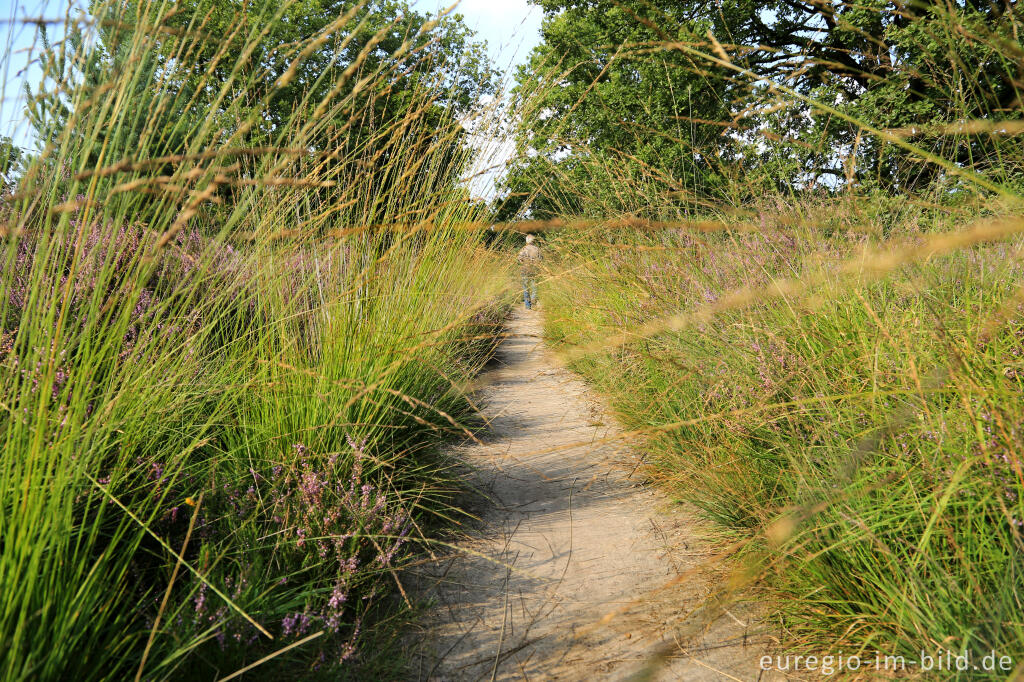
[254,71]
[723,101]
[597,86]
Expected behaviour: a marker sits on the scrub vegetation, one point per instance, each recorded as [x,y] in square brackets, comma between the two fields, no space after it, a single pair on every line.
[790,254]
[246,281]
[239,311]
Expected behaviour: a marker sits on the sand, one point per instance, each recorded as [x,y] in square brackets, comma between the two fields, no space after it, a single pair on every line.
[576,569]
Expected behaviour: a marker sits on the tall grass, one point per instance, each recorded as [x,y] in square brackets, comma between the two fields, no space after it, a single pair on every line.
[233,335]
[858,438]
[228,357]
[830,375]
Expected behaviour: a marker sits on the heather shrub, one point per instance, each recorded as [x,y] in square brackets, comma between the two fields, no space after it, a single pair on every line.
[849,427]
[239,310]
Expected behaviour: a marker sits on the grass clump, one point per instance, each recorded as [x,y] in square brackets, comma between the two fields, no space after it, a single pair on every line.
[239,313]
[861,437]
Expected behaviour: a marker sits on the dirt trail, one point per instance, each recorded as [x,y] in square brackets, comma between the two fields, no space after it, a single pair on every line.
[566,537]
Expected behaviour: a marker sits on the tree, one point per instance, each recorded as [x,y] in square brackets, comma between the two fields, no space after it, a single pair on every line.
[369,35]
[73,100]
[889,65]
[698,98]
[11,164]
[600,96]
[339,78]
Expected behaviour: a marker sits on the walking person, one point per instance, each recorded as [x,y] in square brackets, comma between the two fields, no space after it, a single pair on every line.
[529,258]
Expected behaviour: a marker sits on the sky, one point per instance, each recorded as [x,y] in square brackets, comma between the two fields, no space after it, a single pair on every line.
[510,27]
[21,45]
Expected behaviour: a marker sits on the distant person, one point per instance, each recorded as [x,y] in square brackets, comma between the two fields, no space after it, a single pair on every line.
[530,258]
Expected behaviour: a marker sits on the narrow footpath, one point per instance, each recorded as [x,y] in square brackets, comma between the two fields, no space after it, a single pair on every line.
[576,569]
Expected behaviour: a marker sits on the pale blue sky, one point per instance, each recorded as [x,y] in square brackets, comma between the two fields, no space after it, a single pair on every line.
[510,27]
[18,38]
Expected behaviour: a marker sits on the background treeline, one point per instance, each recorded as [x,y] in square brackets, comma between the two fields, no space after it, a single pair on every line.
[724,102]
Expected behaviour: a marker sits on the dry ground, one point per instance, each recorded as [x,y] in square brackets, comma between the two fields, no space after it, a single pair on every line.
[576,569]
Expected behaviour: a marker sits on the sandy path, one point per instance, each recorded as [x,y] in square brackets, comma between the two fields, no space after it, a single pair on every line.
[566,537]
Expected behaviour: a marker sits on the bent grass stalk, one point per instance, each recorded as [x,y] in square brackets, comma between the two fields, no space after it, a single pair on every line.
[194,309]
[804,331]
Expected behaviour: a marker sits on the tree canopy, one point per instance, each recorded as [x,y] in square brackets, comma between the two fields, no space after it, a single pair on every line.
[358,82]
[688,96]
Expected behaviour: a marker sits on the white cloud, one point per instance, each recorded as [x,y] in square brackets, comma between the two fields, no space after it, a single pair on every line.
[510,27]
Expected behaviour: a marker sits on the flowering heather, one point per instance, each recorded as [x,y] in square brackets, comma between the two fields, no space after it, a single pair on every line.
[82,277]
[333,536]
[153,391]
[884,415]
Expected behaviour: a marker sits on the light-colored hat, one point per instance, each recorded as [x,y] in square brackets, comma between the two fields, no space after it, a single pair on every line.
[529,238]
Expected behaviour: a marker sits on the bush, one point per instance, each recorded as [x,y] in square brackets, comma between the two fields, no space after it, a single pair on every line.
[861,436]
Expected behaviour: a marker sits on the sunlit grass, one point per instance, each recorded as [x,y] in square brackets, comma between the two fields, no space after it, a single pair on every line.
[829,371]
[233,335]
[859,436]
[230,351]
